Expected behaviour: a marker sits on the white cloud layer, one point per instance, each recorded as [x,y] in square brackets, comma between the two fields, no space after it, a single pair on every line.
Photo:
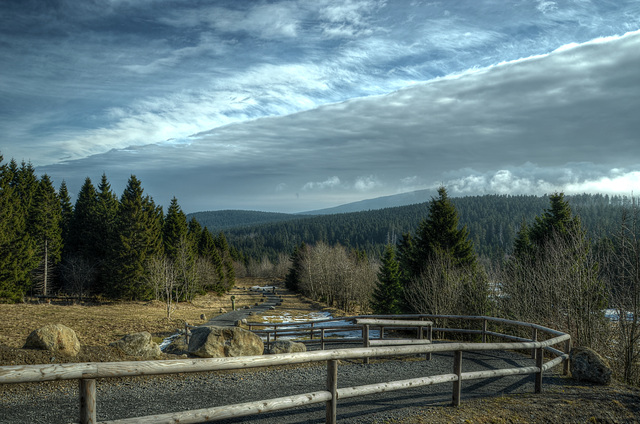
[296,105]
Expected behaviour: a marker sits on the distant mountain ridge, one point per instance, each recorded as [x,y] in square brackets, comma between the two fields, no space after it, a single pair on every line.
[391,201]
[222,220]
[229,218]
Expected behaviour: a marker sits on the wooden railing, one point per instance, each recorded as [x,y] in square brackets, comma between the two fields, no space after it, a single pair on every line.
[87,373]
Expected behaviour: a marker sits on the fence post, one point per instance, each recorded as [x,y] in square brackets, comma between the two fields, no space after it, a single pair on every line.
[430,338]
[457,370]
[534,338]
[186,333]
[539,364]
[484,331]
[88,401]
[268,341]
[322,339]
[567,350]
[332,387]
[365,338]
[312,331]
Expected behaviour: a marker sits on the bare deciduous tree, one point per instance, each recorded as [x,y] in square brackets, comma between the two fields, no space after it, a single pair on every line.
[623,273]
[559,286]
[78,273]
[162,279]
[333,275]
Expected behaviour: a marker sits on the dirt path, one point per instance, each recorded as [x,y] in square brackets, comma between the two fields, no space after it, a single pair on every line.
[229,319]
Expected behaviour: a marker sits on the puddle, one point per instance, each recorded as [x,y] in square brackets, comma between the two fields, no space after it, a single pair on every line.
[305,320]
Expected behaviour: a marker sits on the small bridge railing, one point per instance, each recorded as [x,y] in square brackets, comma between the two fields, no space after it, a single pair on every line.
[87,373]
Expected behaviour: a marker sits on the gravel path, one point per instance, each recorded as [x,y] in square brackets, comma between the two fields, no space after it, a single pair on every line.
[57,402]
[229,319]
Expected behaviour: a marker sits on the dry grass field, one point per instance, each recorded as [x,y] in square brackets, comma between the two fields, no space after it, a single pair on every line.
[101,324]
[97,325]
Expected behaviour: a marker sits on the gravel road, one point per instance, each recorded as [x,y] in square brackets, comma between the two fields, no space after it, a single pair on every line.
[57,402]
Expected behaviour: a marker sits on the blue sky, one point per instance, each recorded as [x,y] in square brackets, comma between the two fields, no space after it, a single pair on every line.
[298,105]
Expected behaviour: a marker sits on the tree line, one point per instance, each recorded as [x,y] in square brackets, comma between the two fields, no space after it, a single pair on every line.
[119,247]
[493,222]
[554,275]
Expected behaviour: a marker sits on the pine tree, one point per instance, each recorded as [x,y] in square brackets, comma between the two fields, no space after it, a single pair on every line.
[388,293]
[67,210]
[180,249]
[82,238]
[553,278]
[103,234]
[557,220]
[46,230]
[438,241]
[15,247]
[206,245]
[138,241]
[174,230]
[208,251]
[439,233]
[292,280]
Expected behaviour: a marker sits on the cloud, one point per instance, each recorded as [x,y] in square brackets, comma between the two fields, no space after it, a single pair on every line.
[367,183]
[329,183]
[558,122]
[263,98]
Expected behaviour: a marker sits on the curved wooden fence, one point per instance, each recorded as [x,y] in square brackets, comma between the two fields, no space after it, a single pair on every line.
[543,339]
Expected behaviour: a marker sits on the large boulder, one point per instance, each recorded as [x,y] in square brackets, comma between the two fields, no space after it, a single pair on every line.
[219,342]
[287,346]
[56,338]
[139,344]
[588,365]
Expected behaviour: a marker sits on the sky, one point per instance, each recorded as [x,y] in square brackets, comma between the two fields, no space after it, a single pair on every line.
[297,105]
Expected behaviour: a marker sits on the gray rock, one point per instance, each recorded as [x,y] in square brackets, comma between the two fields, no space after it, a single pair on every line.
[139,344]
[56,338]
[287,346]
[177,346]
[588,365]
[219,342]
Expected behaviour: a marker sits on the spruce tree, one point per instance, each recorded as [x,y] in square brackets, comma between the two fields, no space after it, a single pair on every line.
[104,234]
[67,210]
[82,237]
[437,241]
[439,233]
[553,277]
[388,293]
[139,239]
[15,246]
[206,245]
[174,230]
[556,220]
[208,251]
[292,280]
[46,230]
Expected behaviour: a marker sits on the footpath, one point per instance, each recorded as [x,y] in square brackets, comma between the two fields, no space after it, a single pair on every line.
[229,319]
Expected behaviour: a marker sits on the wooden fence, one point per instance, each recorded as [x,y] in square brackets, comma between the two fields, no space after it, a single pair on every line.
[87,373]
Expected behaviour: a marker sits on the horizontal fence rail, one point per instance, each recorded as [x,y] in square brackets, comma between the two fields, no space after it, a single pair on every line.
[87,373]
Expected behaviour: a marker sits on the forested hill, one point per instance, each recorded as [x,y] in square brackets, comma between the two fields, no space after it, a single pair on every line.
[493,222]
[217,221]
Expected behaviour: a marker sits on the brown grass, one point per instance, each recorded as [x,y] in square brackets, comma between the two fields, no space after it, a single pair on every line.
[99,325]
